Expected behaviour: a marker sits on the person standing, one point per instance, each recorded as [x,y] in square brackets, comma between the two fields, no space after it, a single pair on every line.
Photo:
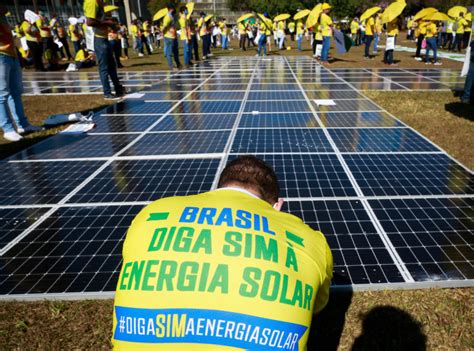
[147,37]
[317,41]
[50,49]
[467,96]
[62,37]
[448,44]
[194,41]
[96,18]
[326,24]
[431,43]
[299,34]
[76,36]
[467,33]
[124,40]
[369,36]
[355,30]
[184,35]
[224,34]
[171,41]
[205,36]
[281,35]
[11,86]
[33,40]
[115,42]
[377,32]
[461,24]
[243,36]
[291,29]
[392,32]
[421,26]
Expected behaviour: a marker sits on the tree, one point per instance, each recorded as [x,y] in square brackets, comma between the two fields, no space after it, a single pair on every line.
[156,5]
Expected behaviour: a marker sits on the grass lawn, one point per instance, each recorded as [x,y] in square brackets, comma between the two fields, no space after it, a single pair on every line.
[438,319]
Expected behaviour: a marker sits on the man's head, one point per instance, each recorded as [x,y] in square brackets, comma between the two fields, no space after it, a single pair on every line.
[326,8]
[253,174]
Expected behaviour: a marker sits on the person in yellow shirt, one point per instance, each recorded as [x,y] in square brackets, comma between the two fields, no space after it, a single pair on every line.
[224,34]
[12,113]
[171,41]
[369,36]
[392,32]
[75,33]
[83,59]
[291,29]
[461,28]
[50,49]
[226,269]
[421,25]
[98,20]
[299,34]
[147,37]
[317,41]
[205,35]
[326,25]
[243,35]
[185,35]
[281,35]
[467,33]
[265,32]
[355,31]
[33,40]
[410,29]
[377,32]
[431,42]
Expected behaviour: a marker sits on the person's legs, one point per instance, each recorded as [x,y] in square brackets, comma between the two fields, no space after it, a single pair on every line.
[467,95]
[145,44]
[428,49]
[168,51]
[5,69]
[66,47]
[243,38]
[176,52]
[325,50]
[418,45]
[139,45]
[15,104]
[376,42]
[112,69]
[434,47]
[368,42]
[100,47]
[300,39]
[77,46]
[195,47]
[187,59]
[36,54]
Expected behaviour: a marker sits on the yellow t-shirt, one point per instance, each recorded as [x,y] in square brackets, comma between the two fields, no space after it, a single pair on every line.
[422,28]
[410,24]
[146,29]
[92,9]
[461,24]
[378,25]
[183,25]
[202,25]
[34,36]
[217,271]
[325,22]
[449,26]
[168,30]
[291,27]
[45,32]
[134,30]
[80,56]
[392,29]
[369,26]
[241,28]
[74,37]
[354,27]
[468,27]
[431,30]
[7,45]
[281,25]
[299,28]
[317,30]
[223,28]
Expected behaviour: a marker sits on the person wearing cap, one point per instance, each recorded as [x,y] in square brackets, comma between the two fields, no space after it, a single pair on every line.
[171,41]
[431,43]
[11,86]
[326,25]
[98,20]
[226,269]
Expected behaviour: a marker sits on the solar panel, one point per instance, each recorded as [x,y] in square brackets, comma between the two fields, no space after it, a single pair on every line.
[148,180]
[350,105]
[279,120]
[277,106]
[280,140]
[208,107]
[358,119]
[380,140]
[122,124]
[184,122]
[407,174]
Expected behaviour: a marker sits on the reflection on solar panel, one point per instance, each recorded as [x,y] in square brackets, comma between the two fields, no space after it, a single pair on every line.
[395,209]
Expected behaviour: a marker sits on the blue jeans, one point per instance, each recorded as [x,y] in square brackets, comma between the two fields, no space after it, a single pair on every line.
[325,49]
[467,95]
[187,57]
[172,50]
[11,88]
[299,39]
[368,42]
[431,45]
[225,42]
[139,43]
[206,44]
[77,46]
[376,42]
[106,65]
[262,44]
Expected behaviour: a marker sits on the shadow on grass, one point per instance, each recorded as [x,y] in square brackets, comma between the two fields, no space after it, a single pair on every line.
[461,110]
[327,326]
[390,328]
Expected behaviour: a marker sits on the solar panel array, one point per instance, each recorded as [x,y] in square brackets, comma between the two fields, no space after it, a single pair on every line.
[59,83]
[396,210]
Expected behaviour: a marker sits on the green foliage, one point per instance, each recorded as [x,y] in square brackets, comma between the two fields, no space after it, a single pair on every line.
[156,5]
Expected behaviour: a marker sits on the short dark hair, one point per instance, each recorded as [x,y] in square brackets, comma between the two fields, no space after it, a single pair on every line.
[252,173]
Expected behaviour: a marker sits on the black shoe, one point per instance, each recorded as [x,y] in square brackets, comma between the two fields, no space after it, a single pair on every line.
[111,97]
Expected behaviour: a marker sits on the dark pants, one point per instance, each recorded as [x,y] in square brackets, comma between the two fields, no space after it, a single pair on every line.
[49,44]
[77,46]
[65,48]
[107,66]
[37,54]
[145,44]
[418,45]
[194,42]
[117,50]
[388,56]
[206,43]
[467,95]
[458,42]
[84,64]
[449,41]
[368,42]
[465,39]
[243,39]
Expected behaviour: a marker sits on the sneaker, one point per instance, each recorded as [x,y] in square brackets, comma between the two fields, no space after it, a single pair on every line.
[140,55]
[427,63]
[437,63]
[418,58]
[111,97]
[12,136]
[29,129]
[393,64]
